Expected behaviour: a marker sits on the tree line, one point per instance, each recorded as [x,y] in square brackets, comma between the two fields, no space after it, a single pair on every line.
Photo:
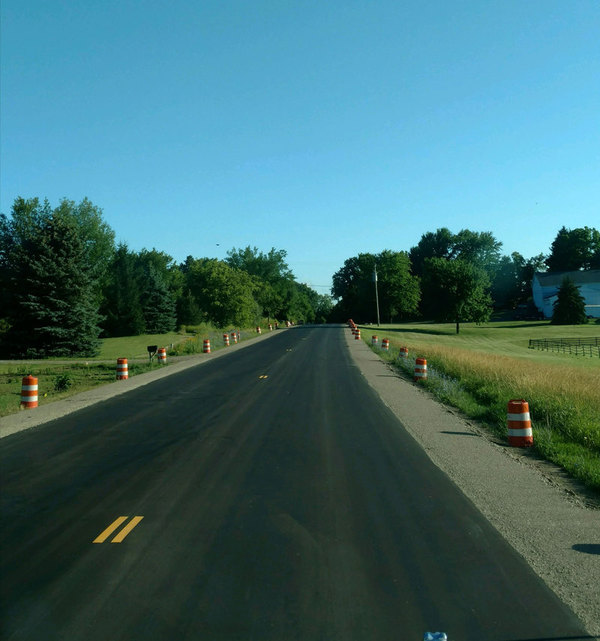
[451,277]
[65,283]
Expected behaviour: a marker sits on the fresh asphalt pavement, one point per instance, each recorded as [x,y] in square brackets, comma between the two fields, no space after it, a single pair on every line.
[276,498]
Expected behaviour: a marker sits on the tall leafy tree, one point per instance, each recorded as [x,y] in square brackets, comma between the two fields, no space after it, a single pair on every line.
[479,248]
[461,290]
[224,294]
[438,244]
[512,277]
[399,291]
[575,249]
[354,285]
[270,268]
[273,278]
[569,306]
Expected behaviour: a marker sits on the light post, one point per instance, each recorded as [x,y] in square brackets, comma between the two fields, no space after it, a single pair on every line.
[376,292]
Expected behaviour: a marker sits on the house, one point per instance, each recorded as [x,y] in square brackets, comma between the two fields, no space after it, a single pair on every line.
[545,287]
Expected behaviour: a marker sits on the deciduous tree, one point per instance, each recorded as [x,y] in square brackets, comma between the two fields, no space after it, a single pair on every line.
[575,249]
[461,290]
[398,288]
[224,294]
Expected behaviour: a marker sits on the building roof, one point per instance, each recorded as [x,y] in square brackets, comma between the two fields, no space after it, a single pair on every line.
[555,279]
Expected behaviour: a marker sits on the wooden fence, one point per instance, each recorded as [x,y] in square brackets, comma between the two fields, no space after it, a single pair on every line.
[577,346]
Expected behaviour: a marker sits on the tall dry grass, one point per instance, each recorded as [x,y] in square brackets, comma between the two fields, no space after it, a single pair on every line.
[564,400]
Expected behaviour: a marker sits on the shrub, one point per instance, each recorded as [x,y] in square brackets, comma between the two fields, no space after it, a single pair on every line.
[62,382]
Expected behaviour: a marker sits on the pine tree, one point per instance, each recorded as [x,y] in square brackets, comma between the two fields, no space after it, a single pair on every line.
[158,304]
[122,297]
[53,300]
[569,306]
[188,310]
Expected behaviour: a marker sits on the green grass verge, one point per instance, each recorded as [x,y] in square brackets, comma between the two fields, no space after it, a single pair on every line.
[480,370]
[194,344]
[60,378]
[131,347]
[57,381]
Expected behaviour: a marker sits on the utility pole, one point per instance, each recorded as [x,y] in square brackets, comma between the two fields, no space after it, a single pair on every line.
[376,292]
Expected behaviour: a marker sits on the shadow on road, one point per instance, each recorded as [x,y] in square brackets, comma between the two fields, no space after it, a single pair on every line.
[587,548]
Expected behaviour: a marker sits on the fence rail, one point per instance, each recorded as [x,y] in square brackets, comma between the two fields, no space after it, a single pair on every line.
[577,346]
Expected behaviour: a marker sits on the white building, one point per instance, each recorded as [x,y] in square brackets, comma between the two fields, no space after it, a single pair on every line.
[545,287]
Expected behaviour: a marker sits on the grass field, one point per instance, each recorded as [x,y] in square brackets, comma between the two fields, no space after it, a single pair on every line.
[484,367]
[59,378]
[131,347]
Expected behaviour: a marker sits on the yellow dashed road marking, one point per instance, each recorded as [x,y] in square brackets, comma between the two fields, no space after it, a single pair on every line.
[127,529]
[114,526]
[110,529]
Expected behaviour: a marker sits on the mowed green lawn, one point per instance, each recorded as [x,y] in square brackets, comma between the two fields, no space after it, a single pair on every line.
[503,338]
[136,346]
[59,378]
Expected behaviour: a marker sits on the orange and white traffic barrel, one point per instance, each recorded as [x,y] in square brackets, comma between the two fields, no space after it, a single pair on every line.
[162,355]
[226,340]
[404,352]
[385,345]
[357,334]
[29,392]
[258,330]
[234,337]
[374,340]
[206,346]
[420,369]
[520,433]
[122,371]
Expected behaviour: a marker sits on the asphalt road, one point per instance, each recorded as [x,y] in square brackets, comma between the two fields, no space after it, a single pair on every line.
[276,498]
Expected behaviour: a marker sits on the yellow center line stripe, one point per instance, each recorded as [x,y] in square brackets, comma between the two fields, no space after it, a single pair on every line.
[127,529]
[110,529]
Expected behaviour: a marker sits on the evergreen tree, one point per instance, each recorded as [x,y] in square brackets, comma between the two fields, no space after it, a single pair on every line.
[569,306]
[158,304]
[122,306]
[53,304]
[188,310]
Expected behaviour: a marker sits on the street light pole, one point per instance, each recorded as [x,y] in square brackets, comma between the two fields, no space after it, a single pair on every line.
[376,292]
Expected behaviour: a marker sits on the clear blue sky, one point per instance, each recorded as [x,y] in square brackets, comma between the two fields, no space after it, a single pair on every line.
[325,128]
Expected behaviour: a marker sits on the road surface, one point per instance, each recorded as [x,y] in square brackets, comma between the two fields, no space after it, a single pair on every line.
[266,495]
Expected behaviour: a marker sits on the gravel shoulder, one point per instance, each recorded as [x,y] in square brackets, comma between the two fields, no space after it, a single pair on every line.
[554,529]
